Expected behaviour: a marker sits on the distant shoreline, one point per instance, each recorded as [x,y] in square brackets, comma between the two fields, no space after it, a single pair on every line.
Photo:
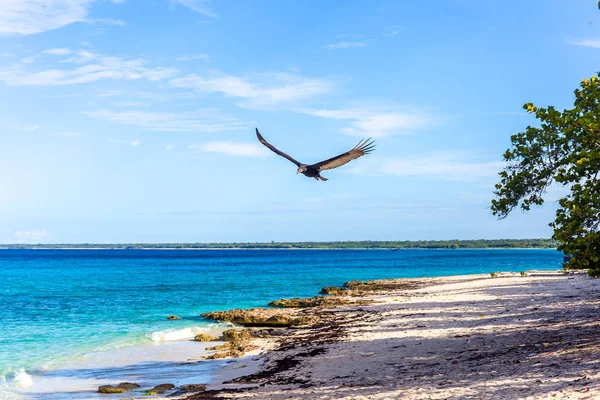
[273,249]
[276,249]
[539,243]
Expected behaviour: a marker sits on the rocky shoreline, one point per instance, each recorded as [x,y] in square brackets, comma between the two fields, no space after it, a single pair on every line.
[499,336]
[530,336]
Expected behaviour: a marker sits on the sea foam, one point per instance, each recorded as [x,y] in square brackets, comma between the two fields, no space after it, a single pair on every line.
[171,335]
[23,379]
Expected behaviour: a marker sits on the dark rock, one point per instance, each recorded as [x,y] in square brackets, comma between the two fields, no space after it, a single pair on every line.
[109,389]
[172,317]
[128,385]
[219,347]
[336,291]
[193,388]
[163,387]
[218,356]
[317,301]
[265,333]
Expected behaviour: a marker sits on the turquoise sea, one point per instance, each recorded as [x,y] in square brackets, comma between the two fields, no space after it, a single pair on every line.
[62,311]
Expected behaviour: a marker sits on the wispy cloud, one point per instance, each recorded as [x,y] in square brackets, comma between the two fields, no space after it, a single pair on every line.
[81,57]
[375,121]
[190,57]
[107,21]
[25,127]
[31,236]
[91,68]
[265,91]
[25,17]
[200,6]
[393,30]
[448,165]
[169,147]
[595,43]
[147,97]
[231,149]
[28,17]
[29,60]
[346,45]
[205,120]
[130,143]
[67,134]
[57,51]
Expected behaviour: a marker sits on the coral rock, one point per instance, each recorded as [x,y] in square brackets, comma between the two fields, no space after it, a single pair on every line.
[259,317]
[204,337]
[335,291]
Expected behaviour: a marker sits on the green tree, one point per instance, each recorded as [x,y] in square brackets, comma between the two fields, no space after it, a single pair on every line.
[564,149]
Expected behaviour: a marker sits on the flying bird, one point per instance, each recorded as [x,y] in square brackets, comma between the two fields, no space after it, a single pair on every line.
[314,170]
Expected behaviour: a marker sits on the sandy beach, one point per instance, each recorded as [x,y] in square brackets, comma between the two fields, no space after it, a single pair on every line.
[463,337]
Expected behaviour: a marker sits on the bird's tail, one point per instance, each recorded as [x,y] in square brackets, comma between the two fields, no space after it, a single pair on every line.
[322,178]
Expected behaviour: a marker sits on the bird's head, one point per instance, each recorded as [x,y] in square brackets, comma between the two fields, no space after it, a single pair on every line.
[301,169]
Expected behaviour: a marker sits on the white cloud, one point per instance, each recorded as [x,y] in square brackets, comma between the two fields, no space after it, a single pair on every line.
[595,43]
[25,17]
[375,121]
[232,149]
[57,51]
[107,21]
[346,45]
[29,60]
[205,120]
[200,6]
[135,143]
[31,236]
[92,68]
[189,57]
[450,165]
[169,147]
[25,127]
[262,92]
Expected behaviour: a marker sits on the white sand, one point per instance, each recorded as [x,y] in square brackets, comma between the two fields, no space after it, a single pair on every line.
[468,337]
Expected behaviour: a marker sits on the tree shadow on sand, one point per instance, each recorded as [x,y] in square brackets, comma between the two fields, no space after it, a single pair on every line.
[539,343]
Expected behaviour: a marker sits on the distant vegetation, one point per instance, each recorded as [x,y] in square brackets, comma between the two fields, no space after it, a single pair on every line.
[366,244]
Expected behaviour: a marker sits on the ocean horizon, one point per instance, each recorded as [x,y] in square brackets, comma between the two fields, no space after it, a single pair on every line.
[100,315]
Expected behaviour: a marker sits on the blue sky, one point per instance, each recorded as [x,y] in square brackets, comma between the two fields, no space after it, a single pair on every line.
[133,121]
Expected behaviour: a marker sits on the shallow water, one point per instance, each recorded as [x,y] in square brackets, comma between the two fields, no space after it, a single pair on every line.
[66,310]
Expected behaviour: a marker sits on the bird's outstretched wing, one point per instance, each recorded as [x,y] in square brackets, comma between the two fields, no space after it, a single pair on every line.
[274,149]
[363,147]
